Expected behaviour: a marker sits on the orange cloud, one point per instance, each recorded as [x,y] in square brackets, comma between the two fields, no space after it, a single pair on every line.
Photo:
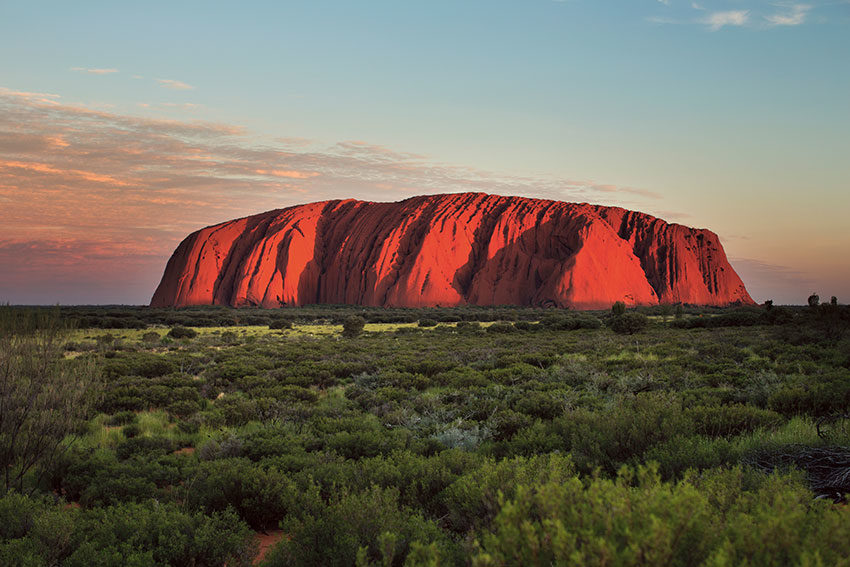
[48,169]
[291,174]
[43,98]
[57,141]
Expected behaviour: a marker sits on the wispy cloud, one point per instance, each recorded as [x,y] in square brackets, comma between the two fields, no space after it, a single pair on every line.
[176,85]
[94,71]
[671,216]
[170,105]
[718,20]
[80,186]
[793,16]
[602,188]
[49,170]
[665,20]
[750,14]
[42,98]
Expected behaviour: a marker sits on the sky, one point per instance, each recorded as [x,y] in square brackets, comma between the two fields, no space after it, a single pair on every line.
[124,126]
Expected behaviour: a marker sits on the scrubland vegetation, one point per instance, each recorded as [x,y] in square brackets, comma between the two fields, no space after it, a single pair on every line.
[469,436]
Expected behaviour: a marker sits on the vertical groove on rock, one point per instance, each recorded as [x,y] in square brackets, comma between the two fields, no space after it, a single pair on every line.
[481,238]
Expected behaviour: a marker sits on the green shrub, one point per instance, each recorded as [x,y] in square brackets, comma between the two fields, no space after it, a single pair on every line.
[228,446]
[682,452]
[554,321]
[539,404]
[237,409]
[353,326]
[506,423]
[637,519]
[161,534]
[628,323]
[501,327]
[622,432]
[585,321]
[118,486]
[828,394]
[151,365]
[474,499]
[262,496]
[183,408]
[356,528]
[229,338]
[123,418]
[131,430]
[144,446]
[280,324]
[717,421]
[33,531]
[180,332]
[151,337]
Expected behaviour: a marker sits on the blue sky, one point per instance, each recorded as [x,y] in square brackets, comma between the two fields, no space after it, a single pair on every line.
[732,115]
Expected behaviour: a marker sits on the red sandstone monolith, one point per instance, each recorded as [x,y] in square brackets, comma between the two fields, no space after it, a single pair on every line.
[448,250]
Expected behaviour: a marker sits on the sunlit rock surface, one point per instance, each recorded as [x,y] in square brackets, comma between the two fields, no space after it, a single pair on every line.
[447,250]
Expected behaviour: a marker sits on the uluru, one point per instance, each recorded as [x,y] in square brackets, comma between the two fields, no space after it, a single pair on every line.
[449,250]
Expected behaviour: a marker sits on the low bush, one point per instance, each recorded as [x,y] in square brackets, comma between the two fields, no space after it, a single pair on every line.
[144,446]
[151,337]
[280,324]
[262,496]
[180,332]
[636,519]
[725,421]
[353,326]
[628,323]
[131,430]
[123,418]
[371,526]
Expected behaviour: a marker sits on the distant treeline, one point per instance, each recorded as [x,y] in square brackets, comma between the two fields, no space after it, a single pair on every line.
[683,316]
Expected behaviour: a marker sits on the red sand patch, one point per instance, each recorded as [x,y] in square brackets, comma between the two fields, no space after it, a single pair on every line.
[265,541]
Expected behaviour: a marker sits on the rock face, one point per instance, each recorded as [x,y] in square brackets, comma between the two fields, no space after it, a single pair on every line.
[447,250]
